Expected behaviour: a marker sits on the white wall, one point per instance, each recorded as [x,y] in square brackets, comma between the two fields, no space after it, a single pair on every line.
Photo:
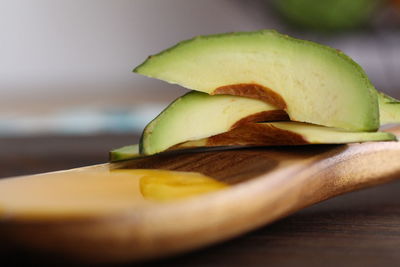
[61,53]
[57,53]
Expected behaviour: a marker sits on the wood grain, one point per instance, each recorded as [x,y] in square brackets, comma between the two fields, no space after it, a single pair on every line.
[269,184]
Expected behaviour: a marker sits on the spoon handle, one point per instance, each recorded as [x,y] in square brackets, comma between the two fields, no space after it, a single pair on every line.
[357,167]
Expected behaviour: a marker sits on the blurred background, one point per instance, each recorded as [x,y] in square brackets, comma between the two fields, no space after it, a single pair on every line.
[68,96]
[65,66]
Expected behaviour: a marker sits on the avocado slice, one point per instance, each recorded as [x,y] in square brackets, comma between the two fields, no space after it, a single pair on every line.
[124,153]
[311,82]
[389,109]
[268,134]
[182,111]
[198,115]
[285,133]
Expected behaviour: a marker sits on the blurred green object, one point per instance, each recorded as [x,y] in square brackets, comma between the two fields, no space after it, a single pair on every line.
[327,15]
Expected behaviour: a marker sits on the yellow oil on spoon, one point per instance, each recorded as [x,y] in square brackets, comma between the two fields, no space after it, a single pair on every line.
[69,194]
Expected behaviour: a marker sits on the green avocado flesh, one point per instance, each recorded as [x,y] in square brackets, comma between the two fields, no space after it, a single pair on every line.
[198,115]
[269,134]
[318,84]
[124,153]
[389,113]
[389,109]
[286,133]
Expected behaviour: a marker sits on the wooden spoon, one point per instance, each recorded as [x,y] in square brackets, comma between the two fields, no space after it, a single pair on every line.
[266,184]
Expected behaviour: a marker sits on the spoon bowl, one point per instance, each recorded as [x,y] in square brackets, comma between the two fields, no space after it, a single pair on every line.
[265,184]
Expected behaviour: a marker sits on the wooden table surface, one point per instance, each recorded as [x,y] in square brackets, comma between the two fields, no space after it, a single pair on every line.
[357,229]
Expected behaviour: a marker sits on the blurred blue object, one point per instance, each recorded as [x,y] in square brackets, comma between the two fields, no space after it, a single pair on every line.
[80,121]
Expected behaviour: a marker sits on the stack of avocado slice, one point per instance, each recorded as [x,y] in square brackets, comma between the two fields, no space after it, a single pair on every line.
[261,89]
